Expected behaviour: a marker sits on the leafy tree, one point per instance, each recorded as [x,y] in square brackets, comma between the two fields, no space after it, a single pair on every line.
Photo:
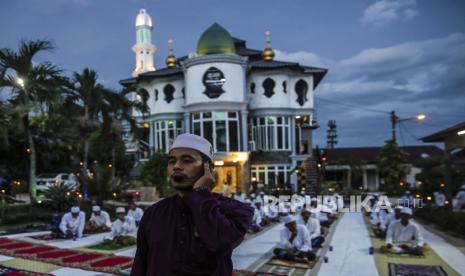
[392,168]
[154,173]
[35,89]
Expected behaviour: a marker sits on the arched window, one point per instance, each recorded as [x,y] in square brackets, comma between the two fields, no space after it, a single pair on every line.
[285,86]
[156,94]
[301,88]
[269,85]
[252,88]
[168,90]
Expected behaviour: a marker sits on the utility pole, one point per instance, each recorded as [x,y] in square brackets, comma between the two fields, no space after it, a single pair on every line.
[394,119]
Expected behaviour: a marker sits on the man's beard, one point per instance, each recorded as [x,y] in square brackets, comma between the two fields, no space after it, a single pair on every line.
[182,178]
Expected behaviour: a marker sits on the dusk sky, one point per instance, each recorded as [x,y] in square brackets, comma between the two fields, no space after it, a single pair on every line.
[402,55]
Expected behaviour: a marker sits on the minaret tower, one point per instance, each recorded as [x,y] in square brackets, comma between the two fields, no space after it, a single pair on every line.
[144,49]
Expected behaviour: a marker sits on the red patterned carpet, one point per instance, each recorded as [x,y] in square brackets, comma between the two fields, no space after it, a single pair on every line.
[63,257]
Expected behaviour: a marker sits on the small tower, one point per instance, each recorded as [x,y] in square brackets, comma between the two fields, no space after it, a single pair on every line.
[171,60]
[144,49]
[331,134]
[268,53]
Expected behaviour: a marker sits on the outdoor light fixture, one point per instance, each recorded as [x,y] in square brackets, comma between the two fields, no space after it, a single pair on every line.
[421,117]
[429,198]
[20,82]
[297,117]
[462,132]
[114,194]
[219,163]
[254,179]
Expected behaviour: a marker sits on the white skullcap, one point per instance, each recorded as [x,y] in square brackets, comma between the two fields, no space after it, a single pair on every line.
[407,192]
[257,200]
[288,219]
[120,210]
[248,201]
[262,193]
[407,211]
[96,208]
[75,209]
[253,195]
[463,187]
[195,142]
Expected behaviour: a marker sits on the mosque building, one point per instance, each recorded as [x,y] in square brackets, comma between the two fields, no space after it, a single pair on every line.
[257,112]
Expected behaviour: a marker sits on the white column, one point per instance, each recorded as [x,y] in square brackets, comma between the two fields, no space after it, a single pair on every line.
[365,179]
[293,145]
[244,123]
[187,123]
[152,137]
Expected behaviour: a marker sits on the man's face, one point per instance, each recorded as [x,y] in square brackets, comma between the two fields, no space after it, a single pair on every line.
[404,218]
[397,213]
[121,216]
[185,167]
[305,215]
[132,206]
[75,215]
[97,213]
[292,226]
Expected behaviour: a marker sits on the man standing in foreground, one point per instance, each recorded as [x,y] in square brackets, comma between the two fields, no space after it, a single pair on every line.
[194,232]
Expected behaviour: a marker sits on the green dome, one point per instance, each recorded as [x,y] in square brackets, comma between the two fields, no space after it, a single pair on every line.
[215,40]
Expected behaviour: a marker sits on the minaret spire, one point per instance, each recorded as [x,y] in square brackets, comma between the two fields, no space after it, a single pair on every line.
[144,49]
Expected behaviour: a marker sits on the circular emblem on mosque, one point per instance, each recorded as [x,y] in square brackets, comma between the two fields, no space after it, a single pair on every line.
[213,80]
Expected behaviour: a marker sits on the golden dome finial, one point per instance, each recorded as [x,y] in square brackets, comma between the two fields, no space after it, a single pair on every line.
[268,53]
[171,60]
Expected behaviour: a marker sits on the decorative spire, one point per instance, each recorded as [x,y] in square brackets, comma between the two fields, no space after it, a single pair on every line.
[171,60]
[268,53]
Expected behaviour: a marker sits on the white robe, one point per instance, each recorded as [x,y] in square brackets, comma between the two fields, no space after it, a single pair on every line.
[398,233]
[459,199]
[120,228]
[76,225]
[102,219]
[313,226]
[301,242]
[257,218]
[390,218]
[136,214]
[439,199]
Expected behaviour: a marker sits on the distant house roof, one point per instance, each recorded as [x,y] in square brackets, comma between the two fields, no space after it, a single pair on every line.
[370,155]
[164,72]
[440,135]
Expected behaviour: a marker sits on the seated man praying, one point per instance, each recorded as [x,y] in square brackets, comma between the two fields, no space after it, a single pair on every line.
[309,220]
[99,221]
[123,230]
[404,236]
[72,223]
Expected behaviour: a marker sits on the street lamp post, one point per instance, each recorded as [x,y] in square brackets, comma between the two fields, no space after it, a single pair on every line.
[395,120]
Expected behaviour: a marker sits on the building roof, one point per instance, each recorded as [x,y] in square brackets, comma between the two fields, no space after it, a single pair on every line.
[442,134]
[164,72]
[369,155]
[319,73]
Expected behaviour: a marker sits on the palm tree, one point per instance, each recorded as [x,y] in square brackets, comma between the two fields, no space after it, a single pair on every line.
[89,94]
[33,86]
[117,112]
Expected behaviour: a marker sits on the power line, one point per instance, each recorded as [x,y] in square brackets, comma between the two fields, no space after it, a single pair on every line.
[353,106]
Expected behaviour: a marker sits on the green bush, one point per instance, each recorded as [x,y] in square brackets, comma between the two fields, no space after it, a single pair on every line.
[443,218]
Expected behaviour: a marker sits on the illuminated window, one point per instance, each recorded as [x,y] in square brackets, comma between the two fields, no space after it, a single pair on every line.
[271,133]
[166,132]
[272,176]
[221,128]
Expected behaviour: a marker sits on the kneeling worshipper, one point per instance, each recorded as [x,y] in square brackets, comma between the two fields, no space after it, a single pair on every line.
[99,221]
[123,230]
[390,218]
[72,223]
[295,243]
[309,220]
[135,212]
[261,210]
[404,236]
[255,225]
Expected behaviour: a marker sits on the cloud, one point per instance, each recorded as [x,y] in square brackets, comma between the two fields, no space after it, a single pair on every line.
[384,12]
[411,78]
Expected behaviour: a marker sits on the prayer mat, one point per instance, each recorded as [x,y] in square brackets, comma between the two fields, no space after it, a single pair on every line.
[293,264]
[382,260]
[102,247]
[383,250]
[9,271]
[28,265]
[415,270]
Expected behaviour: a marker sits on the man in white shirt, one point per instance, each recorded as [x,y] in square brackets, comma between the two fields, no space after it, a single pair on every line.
[72,224]
[99,221]
[404,236]
[309,220]
[123,230]
[459,201]
[390,218]
[295,243]
[258,207]
[135,212]
[439,198]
